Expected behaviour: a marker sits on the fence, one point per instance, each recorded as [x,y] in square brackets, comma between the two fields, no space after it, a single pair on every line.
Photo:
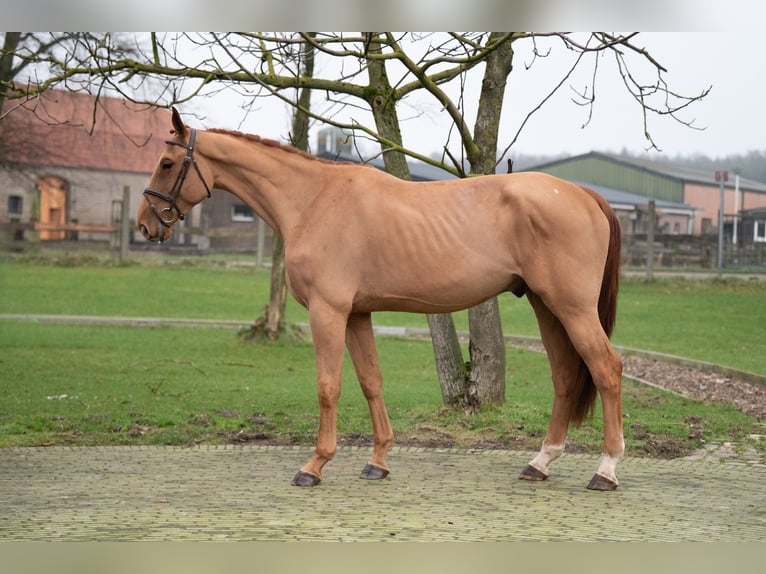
[691,251]
[119,231]
[668,251]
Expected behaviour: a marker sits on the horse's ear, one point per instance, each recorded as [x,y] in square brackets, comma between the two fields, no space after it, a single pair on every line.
[178,124]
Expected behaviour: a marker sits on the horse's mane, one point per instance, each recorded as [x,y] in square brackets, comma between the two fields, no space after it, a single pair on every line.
[282,146]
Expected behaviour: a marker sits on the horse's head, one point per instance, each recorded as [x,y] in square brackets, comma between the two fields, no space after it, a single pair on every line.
[170,194]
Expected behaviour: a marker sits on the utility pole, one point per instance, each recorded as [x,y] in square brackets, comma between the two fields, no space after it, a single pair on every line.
[722,177]
[736,205]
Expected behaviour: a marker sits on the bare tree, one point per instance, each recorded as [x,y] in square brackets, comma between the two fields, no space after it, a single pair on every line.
[272,322]
[8,68]
[373,73]
[19,53]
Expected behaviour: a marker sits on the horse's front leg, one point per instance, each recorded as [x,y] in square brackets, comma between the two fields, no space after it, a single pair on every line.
[360,342]
[328,327]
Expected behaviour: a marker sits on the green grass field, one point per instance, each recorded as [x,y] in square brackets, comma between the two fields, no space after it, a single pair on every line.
[710,320]
[67,384]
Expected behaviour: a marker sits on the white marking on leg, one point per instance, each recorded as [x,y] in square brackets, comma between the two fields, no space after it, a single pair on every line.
[548,453]
[609,464]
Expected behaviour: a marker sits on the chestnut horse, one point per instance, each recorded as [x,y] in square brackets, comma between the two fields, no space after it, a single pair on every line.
[358,240]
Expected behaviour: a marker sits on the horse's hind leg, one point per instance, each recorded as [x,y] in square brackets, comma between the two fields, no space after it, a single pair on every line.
[360,342]
[605,366]
[570,341]
[564,362]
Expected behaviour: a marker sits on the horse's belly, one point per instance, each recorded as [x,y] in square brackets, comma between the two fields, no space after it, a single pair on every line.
[432,296]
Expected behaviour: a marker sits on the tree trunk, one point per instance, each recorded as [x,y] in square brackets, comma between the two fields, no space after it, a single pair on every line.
[487,346]
[486,381]
[10,44]
[383,106]
[450,367]
[448,356]
[487,350]
[275,313]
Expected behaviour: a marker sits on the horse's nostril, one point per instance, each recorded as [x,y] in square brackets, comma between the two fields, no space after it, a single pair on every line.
[144,231]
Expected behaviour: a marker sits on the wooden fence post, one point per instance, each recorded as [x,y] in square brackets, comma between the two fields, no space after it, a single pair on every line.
[125,224]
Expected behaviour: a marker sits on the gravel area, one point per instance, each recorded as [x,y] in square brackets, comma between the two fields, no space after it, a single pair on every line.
[746,396]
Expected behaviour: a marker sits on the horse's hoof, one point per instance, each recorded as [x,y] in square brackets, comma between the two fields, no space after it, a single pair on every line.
[372,472]
[599,482]
[531,473]
[305,479]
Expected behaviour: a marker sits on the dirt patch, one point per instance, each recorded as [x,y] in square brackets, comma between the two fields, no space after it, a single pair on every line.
[356,439]
[667,448]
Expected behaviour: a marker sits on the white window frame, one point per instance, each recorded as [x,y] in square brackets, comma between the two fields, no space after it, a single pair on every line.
[242,217]
[759,231]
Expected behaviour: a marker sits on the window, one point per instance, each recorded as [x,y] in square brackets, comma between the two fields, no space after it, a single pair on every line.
[759,231]
[241,212]
[15,204]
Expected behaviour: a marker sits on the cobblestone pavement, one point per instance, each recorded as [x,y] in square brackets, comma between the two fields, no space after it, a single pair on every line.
[244,493]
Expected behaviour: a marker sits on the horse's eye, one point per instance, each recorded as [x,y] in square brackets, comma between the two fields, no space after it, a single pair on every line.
[165,165]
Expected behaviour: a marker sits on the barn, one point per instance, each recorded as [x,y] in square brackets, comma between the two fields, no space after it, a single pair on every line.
[65,159]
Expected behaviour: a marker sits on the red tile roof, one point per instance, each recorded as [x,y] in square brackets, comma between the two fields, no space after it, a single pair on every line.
[78,130]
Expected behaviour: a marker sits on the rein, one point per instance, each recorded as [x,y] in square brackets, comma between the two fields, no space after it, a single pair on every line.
[173,211]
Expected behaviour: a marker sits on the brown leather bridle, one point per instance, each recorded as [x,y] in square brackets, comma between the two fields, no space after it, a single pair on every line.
[172,209]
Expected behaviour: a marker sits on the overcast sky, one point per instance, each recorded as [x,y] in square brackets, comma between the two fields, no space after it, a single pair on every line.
[732,114]
[724,49]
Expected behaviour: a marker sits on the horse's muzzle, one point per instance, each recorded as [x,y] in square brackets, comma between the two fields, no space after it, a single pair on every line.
[161,234]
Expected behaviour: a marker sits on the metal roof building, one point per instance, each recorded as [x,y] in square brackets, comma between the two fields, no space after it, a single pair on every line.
[648,177]
[662,181]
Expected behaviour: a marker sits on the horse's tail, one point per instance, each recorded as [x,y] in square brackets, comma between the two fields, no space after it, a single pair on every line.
[607,301]
[585,389]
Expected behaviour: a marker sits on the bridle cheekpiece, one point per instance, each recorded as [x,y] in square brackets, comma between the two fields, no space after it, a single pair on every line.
[167,216]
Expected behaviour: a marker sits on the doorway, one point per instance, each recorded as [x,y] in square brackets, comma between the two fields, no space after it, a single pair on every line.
[53,206]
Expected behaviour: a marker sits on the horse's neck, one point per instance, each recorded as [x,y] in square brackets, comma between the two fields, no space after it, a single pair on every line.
[277,183]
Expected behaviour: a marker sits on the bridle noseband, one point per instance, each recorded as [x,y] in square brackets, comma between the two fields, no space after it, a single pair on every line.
[172,209]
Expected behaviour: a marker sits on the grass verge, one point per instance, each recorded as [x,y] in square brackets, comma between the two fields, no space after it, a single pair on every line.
[102,385]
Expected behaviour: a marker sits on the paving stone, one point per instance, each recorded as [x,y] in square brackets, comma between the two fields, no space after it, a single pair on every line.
[244,493]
